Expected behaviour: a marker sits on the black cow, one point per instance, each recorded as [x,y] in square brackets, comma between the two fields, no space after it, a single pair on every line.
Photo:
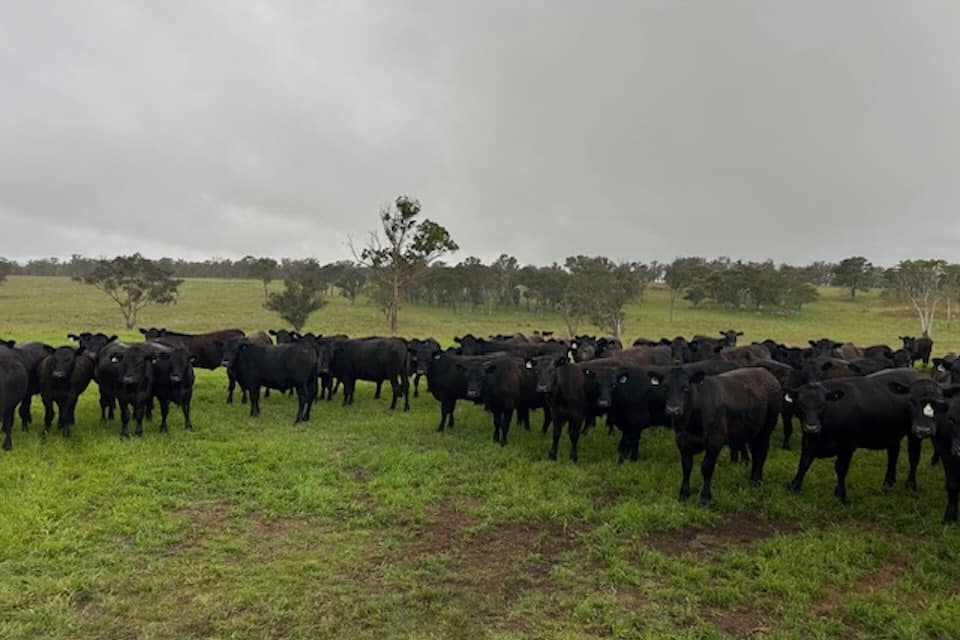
[447,381]
[867,366]
[503,385]
[947,369]
[173,380]
[134,371]
[840,416]
[203,346]
[606,347]
[14,382]
[106,373]
[879,351]
[284,337]
[736,408]
[730,337]
[284,366]
[680,350]
[470,345]
[936,415]
[92,342]
[421,353]
[584,348]
[376,360]
[919,348]
[261,338]
[31,354]
[64,375]
[901,358]
[633,400]
[825,347]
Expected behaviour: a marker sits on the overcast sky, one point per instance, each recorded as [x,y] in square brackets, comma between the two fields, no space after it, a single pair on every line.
[795,131]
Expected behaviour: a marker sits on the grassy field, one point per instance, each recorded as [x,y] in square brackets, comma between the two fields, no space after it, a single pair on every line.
[369,524]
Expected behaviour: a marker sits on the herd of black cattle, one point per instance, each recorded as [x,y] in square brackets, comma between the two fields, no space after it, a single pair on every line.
[709,390]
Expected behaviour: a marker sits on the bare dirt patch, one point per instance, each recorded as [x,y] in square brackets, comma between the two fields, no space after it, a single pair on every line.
[883,577]
[738,531]
[739,622]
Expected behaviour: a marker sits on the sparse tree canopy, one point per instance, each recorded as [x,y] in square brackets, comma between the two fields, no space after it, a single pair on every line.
[302,294]
[681,274]
[5,268]
[403,251]
[602,288]
[263,269]
[922,284]
[350,281]
[133,282]
[854,274]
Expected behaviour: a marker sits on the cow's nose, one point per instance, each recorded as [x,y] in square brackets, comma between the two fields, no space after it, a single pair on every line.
[127,379]
[174,378]
[672,410]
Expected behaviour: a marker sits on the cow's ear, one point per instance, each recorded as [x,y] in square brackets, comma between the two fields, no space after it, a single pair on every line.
[112,338]
[718,348]
[573,345]
[272,332]
[8,343]
[143,331]
[837,345]
[698,377]
[836,394]
[739,333]
[48,348]
[898,389]
[457,340]
[655,378]
[789,395]
[529,364]
[812,343]
[73,336]
[437,355]
[590,373]
[192,359]
[79,350]
[622,376]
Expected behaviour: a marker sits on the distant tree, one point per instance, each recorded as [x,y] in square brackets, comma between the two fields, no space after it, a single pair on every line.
[820,273]
[5,268]
[603,287]
[262,269]
[133,282]
[303,289]
[796,288]
[923,284]
[696,292]
[350,281]
[407,247]
[681,274]
[951,284]
[854,274]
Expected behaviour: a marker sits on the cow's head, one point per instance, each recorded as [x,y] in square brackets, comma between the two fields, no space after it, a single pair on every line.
[230,349]
[679,387]
[63,360]
[809,402]
[283,336]
[545,368]
[152,332]
[584,348]
[824,347]
[92,342]
[173,365]
[902,359]
[135,364]
[730,337]
[475,374]
[604,381]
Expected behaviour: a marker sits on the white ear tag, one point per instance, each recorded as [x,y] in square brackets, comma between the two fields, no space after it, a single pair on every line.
[941,368]
[654,381]
[928,410]
[622,379]
[529,365]
[788,398]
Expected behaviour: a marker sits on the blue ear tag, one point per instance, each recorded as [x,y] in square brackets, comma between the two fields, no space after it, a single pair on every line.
[436,356]
[622,379]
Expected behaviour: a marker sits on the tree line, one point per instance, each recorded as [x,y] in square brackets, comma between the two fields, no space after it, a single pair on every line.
[401,264]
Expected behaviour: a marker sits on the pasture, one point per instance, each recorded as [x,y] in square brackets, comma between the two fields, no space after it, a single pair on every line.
[365,523]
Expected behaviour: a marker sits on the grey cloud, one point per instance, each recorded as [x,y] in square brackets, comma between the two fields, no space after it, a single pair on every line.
[796,131]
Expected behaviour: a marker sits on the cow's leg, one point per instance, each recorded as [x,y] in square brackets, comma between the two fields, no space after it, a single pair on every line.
[416,385]
[759,447]
[25,417]
[105,403]
[8,430]
[573,429]
[842,467]
[786,416]
[124,419]
[255,401]
[394,391]
[164,412]
[47,412]
[231,384]
[707,468]
[185,406]
[624,447]
[496,426]
[505,426]
[266,392]
[376,396]
[547,417]
[557,432]
[523,417]
[68,415]
[806,459]
[914,449]
[140,412]
[893,454]
[686,467]
[405,390]
[953,492]
[312,385]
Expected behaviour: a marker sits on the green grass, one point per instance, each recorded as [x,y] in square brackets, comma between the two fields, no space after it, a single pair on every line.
[368,524]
